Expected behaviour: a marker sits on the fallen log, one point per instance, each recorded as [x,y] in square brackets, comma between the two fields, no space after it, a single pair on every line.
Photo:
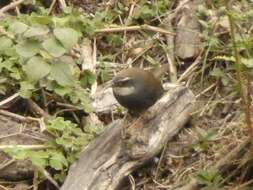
[127,144]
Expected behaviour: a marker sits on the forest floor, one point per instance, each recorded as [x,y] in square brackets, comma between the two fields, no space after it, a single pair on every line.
[195,39]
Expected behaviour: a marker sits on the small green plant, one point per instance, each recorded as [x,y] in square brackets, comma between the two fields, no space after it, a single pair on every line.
[148,10]
[204,139]
[63,149]
[114,39]
[220,75]
[210,178]
[104,70]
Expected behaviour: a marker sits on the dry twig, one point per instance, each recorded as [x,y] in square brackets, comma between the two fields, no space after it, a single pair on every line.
[26,147]
[37,110]
[9,99]
[50,178]
[10,6]
[35,179]
[51,7]
[133,28]
[190,69]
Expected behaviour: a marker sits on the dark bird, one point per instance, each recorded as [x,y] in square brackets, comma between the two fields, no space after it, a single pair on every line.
[136,89]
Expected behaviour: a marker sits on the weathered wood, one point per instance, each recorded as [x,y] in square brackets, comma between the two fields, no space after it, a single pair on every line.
[112,156]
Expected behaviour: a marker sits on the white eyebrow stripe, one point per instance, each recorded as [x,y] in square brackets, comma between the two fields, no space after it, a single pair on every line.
[124,91]
[125,79]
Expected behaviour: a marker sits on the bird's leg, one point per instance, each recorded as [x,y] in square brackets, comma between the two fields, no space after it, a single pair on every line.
[123,130]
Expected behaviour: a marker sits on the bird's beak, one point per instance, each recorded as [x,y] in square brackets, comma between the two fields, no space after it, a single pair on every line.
[113,82]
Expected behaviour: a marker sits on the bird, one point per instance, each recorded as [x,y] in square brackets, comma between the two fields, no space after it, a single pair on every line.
[137,89]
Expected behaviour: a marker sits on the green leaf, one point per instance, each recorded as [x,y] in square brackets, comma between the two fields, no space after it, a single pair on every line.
[16,153]
[36,31]
[66,141]
[145,13]
[105,74]
[63,21]
[8,64]
[93,130]
[247,62]
[40,19]
[53,47]
[67,36]
[61,73]
[88,26]
[62,91]
[68,60]
[75,70]
[45,54]
[58,124]
[18,27]
[36,68]
[114,39]
[5,43]
[26,89]
[3,89]
[80,96]
[57,160]
[225,81]
[88,78]
[217,72]
[28,48]
[209,177]
[39,158]
[206,135]
[16,73]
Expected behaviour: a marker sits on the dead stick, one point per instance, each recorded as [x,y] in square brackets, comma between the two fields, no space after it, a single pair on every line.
[10,6]
[133,28]
[37,110]
[9,99]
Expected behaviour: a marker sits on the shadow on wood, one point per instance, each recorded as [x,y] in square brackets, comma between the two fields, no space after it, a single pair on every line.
[112,156]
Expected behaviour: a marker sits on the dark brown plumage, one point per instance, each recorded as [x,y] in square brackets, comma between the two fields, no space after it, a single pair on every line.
[136,89]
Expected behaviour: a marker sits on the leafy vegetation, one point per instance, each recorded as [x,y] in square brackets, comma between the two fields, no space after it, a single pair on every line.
[149,10]
[204,138]
[64,147]
[209,178]
[36,55]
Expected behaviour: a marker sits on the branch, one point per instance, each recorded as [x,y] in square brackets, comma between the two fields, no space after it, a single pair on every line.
[133,28]
[10,6]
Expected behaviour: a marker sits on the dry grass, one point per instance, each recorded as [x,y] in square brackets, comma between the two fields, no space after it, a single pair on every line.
[201,146]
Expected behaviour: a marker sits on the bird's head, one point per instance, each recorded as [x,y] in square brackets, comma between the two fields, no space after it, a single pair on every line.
[124,83]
